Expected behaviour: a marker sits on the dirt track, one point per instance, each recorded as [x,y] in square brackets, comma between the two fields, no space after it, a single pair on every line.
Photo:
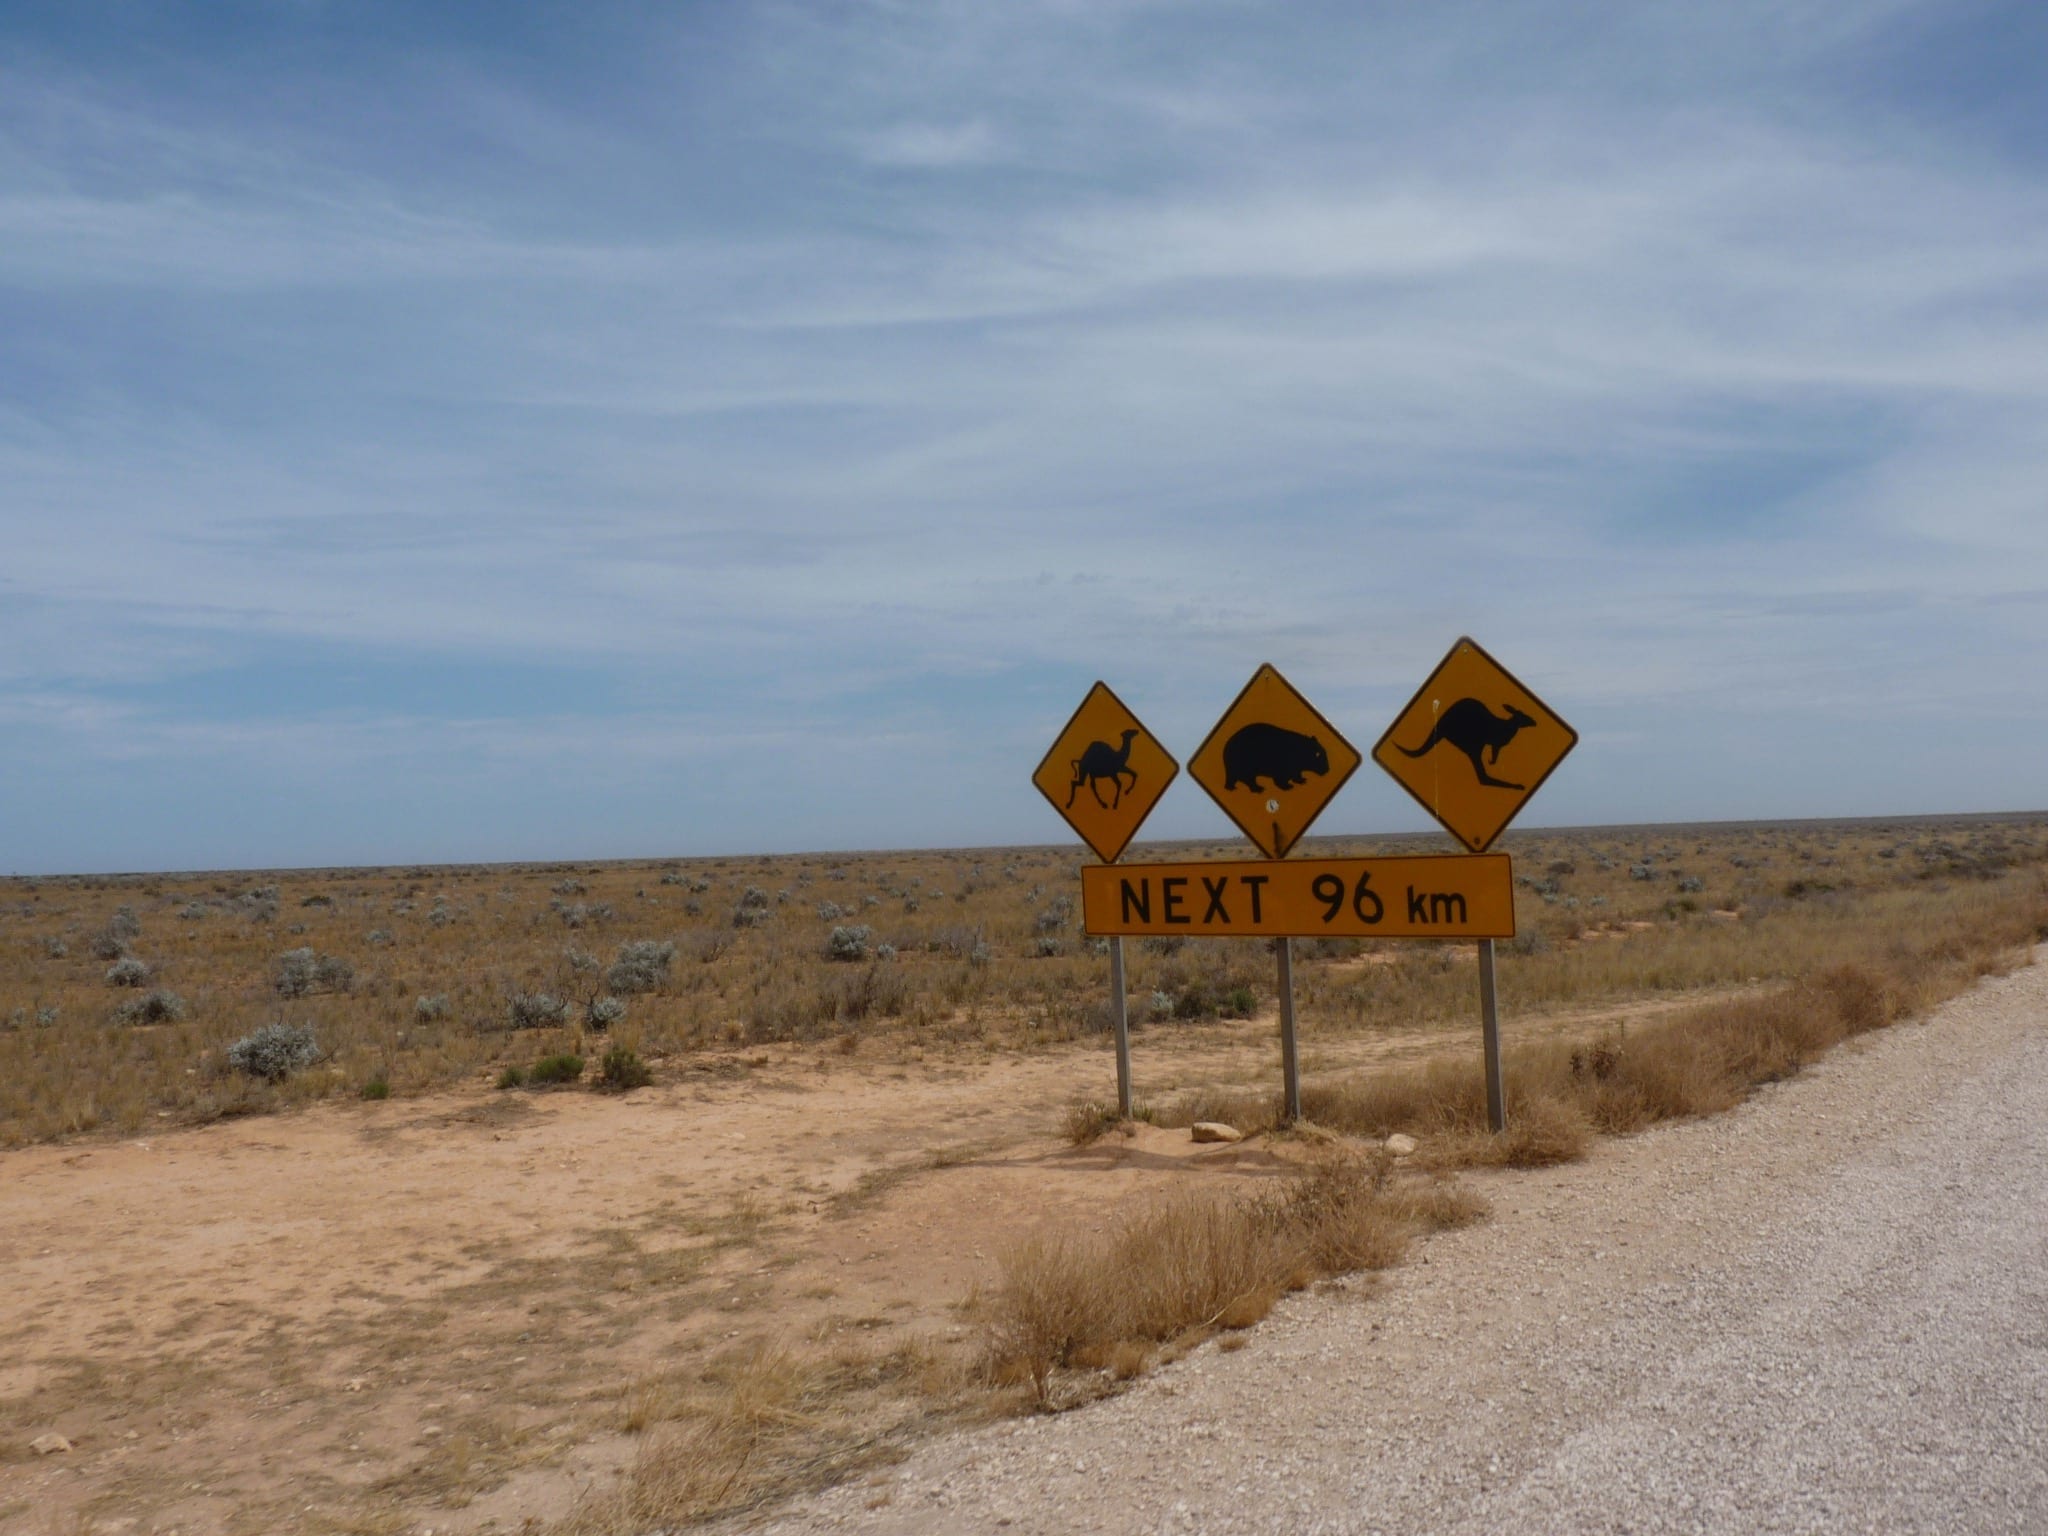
[1827,1311]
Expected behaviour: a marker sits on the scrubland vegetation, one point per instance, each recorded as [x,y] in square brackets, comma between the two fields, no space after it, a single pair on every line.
[1688,965]
[122,999]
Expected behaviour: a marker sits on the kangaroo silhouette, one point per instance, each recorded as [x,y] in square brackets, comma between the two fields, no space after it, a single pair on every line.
[1477,732]
[1102,761]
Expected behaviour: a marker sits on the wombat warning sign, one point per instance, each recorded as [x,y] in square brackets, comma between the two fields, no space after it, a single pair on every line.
[1273,762]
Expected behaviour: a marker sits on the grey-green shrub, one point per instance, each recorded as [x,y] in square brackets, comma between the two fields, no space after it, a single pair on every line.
[852,942]
[301,971]
[158,1006]
[128,972]
[642,965]
[538,1010]
[274,1051]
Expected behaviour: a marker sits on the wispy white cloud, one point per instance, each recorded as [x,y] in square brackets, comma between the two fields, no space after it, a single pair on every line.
[901,347]
[932,146]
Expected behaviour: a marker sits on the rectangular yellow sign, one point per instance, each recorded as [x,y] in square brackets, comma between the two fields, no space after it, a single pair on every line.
[1443,896]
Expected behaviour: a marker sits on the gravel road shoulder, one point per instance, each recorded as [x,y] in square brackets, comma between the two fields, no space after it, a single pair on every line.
[1827,1311]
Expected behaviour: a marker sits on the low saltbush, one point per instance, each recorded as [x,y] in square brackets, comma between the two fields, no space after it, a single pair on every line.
[274,1051]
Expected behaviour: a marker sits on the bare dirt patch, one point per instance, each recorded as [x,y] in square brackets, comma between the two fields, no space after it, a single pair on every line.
[385,1317]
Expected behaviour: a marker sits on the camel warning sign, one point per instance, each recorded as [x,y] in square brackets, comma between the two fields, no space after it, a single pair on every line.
[1273,762]
[1473,745]
[1104,773]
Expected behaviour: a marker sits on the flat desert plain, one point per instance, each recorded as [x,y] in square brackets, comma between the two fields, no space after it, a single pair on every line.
[400,1288]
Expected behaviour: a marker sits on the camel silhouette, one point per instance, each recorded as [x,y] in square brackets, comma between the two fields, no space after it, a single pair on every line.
[1102,761]
[1477,732]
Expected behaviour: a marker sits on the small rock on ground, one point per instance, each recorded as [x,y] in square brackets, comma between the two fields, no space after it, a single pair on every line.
[1216,1130]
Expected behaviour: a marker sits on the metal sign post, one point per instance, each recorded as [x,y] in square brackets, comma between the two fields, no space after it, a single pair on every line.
[1273,762]
[1119,1014]
[1104,774]
[1489,1029]
[1290,1060]
[1471,724]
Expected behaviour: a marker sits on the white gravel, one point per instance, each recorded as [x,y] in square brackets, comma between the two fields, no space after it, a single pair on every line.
[1826,1312]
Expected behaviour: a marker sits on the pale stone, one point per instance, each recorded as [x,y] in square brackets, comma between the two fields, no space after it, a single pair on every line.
[1216,1130]
[1399,1145]
[49,1445]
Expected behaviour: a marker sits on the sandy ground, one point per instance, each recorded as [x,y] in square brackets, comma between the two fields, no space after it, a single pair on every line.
[424,1314]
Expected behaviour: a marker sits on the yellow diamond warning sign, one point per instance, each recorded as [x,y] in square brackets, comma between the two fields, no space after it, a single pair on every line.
[1273,763]
[1104,773]
[1473,745]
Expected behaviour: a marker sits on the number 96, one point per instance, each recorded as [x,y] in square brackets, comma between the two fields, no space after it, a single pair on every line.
[1365,902]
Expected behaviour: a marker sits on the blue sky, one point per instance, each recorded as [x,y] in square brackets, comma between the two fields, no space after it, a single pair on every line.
[487,432]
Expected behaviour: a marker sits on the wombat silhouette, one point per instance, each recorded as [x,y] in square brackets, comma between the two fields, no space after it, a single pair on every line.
[1477,732]
[1262,751]
[1102,761]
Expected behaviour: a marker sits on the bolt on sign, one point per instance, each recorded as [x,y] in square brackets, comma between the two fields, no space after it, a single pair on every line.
[1473,745]
[1272,762]
[1104,773]
[1440,896]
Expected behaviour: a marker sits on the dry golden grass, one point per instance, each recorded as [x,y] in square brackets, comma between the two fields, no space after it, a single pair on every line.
[1894,952]
[988,955]
[760,1421]
[1195,1263]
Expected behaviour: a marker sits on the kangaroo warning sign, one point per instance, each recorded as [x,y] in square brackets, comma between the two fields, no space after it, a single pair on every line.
[1273,763]
[1104,773]
[1444,896]
[1473,745]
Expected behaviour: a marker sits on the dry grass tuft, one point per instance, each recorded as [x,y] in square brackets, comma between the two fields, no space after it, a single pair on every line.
[1088,1120]
[1196,1263]
[1542,1131]
[758,1422]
